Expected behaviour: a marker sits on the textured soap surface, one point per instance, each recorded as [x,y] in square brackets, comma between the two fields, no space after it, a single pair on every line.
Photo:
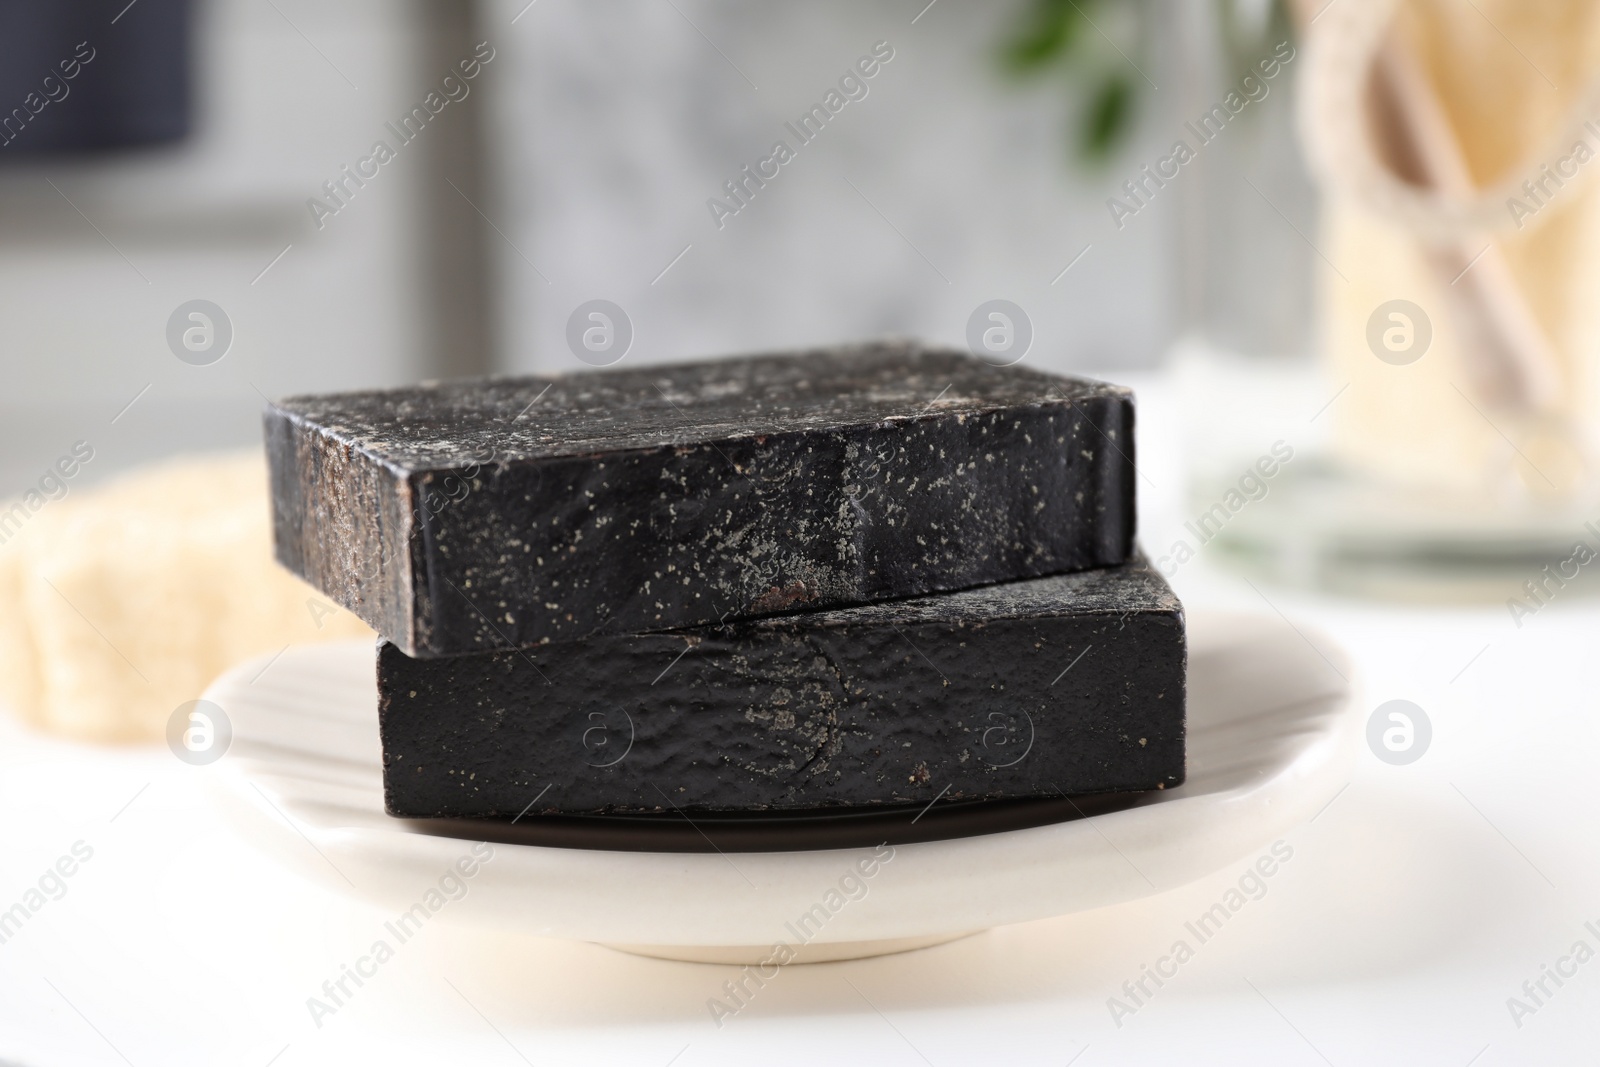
[466,516]
[1071,684]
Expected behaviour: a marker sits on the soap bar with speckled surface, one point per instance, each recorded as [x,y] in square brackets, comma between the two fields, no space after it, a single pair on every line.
[1066,685]
[467,516]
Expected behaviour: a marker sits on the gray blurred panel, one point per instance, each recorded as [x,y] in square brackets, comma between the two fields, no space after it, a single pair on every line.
[943,187]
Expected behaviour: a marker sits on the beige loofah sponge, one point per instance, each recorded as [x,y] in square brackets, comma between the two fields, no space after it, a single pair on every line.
[120,603]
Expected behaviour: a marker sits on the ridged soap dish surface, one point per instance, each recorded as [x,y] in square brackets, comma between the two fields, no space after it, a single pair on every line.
[1272,737]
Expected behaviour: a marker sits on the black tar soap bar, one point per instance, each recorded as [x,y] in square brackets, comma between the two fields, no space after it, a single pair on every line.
[1071,684]
[465,516]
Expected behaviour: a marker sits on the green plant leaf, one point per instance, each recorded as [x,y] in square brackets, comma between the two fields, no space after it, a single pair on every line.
[1107,117]
[1048,33]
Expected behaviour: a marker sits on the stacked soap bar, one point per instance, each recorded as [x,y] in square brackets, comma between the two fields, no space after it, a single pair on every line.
[687,586]
[467,516]
[1030,688]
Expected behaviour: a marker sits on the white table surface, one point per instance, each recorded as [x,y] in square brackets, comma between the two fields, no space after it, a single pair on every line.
[1415,904]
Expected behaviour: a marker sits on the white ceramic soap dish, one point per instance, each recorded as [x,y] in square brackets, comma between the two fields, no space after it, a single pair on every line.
[1272,738]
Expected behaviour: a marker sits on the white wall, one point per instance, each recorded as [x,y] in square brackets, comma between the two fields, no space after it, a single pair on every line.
[84,322]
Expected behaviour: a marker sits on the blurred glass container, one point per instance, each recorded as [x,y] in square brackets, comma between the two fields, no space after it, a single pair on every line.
[1246,268]
[1461,237]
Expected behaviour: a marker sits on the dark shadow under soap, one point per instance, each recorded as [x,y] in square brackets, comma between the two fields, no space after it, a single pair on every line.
[788,831]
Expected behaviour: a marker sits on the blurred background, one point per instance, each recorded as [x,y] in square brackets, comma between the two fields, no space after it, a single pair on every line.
[1352,243]
[186,161]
